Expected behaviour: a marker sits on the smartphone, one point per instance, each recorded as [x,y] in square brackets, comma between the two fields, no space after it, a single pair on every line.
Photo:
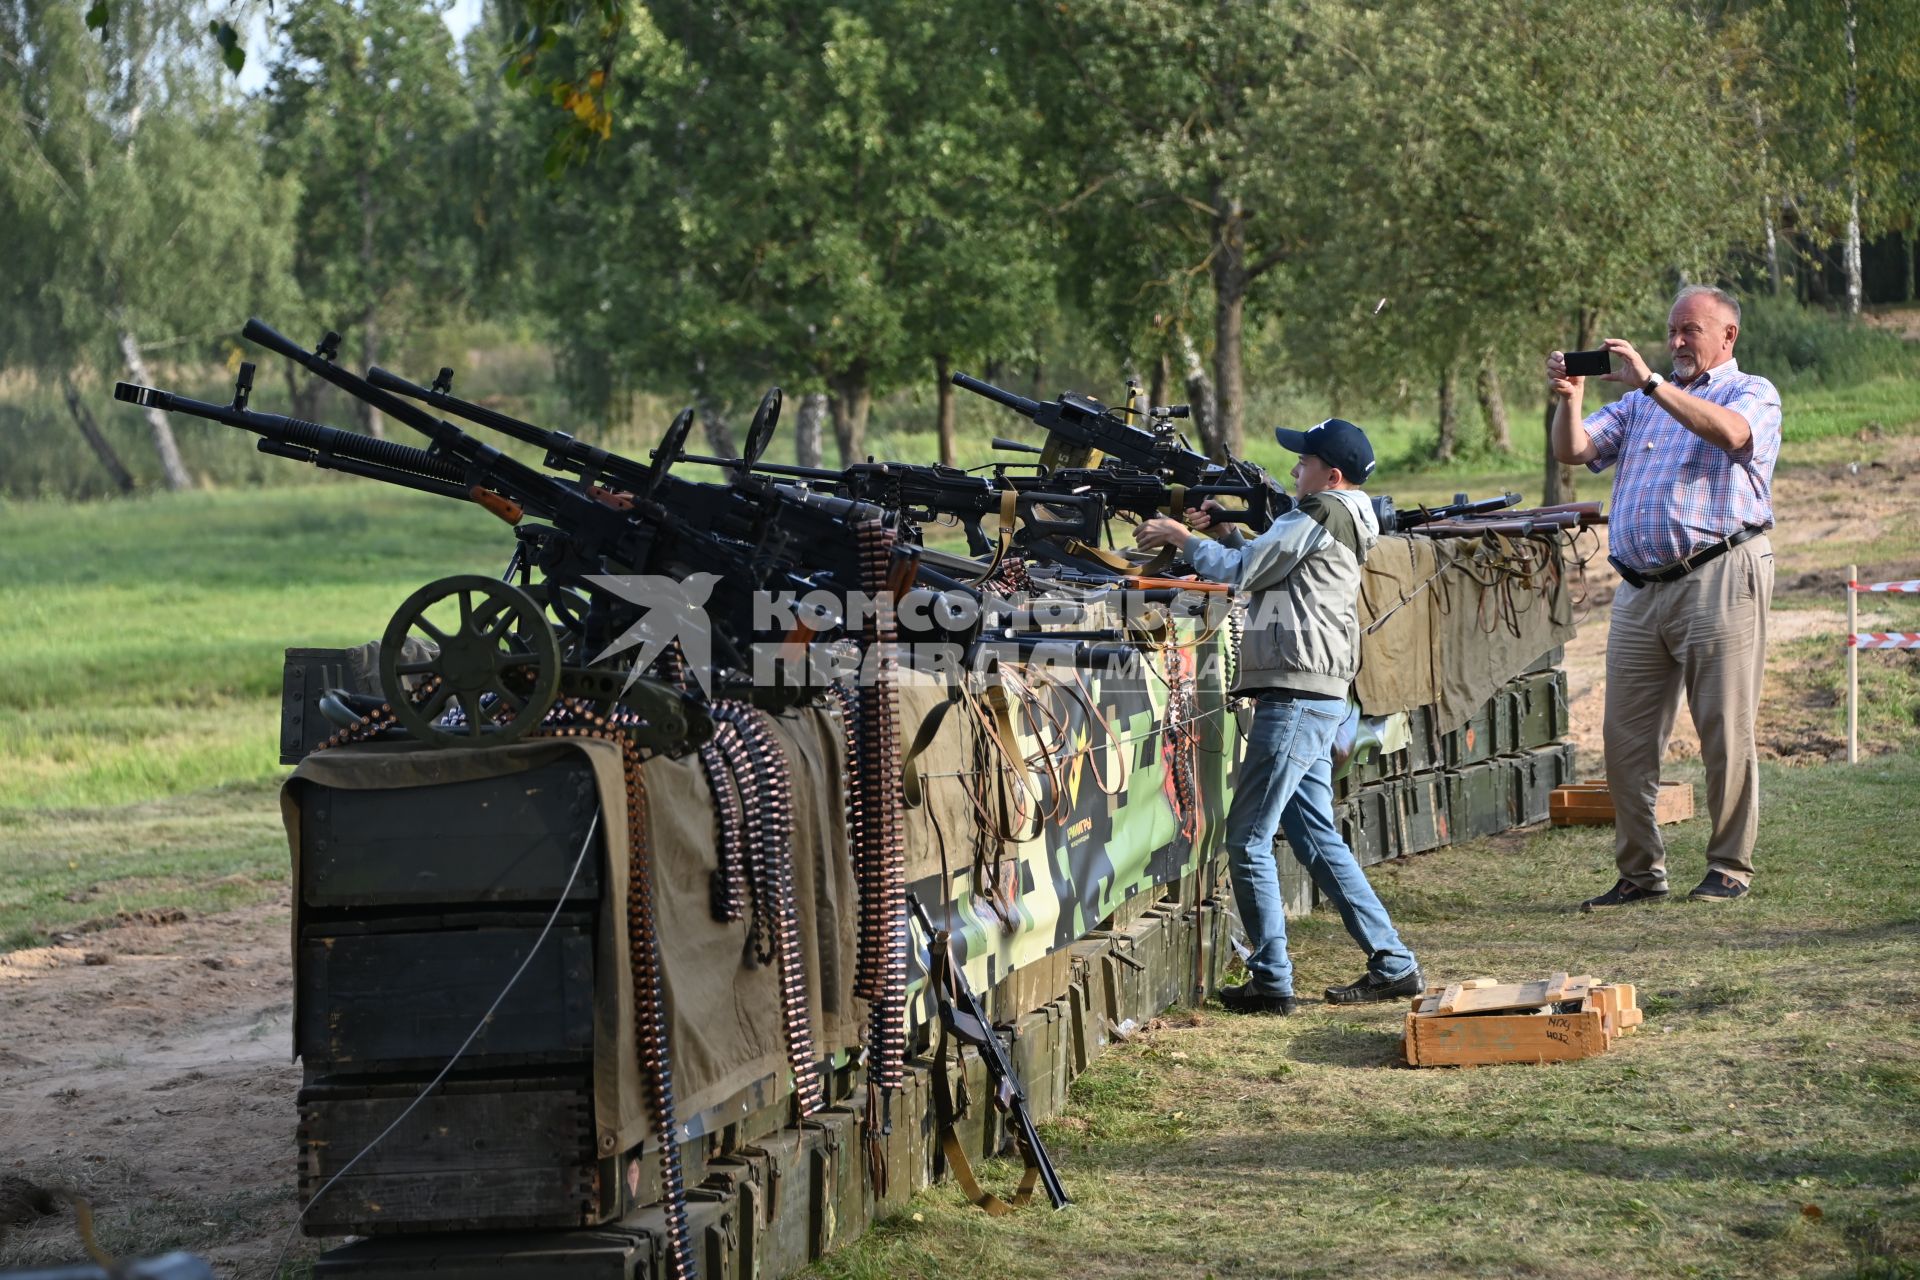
[1588,364]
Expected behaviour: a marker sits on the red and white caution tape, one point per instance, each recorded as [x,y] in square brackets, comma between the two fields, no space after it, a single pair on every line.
[1911,587]
[1885,640]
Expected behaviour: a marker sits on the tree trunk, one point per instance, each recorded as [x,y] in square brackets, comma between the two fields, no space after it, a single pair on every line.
[303,392]
[1449,414]
[171,467]
[1199,389]
[1162,387]
[943,396]
[369,357]
[1851,258]
[850,401]
[1493,405]
[713,425]
[1229,320]
[1559,479]
[807,434]
[1906,277]
[83,418]
[1773,252]
[369,316]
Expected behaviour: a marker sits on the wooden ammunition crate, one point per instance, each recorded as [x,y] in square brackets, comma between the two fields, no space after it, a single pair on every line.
[1535,776]
[1590,804]
[468,844]
[306,675]
[404,998]
[474,1155]
[1480,799]
[1484,1023]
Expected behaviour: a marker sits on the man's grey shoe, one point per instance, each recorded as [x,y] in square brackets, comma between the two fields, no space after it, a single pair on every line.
[1624,894]
[1244,999]
[1717,887]
[1370,988]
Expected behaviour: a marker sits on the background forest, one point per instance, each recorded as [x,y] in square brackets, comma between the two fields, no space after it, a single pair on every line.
[598,213]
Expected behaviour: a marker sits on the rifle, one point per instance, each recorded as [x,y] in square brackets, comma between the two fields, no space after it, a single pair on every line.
[965,1018]
[1462,507]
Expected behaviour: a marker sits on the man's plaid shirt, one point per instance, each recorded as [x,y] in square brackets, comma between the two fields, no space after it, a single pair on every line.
[1675,493]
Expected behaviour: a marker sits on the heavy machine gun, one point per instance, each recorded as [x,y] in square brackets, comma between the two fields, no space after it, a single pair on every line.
[1082,431]
[1080,427]
[501,662]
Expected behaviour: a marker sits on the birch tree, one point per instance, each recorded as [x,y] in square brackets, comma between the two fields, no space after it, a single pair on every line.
[136,210]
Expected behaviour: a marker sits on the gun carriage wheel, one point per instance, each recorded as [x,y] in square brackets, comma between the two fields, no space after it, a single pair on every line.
[501,645]
[671,446]
[760,431]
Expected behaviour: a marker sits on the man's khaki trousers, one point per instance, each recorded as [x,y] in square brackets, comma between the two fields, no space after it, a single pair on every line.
[1704,634]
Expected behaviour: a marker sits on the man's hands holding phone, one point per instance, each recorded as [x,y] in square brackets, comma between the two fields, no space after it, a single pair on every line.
[1615,360]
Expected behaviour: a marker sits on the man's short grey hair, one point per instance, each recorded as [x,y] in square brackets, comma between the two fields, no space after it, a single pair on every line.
[1719,295]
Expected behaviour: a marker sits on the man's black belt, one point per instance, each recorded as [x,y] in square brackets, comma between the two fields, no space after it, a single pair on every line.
[1687,564]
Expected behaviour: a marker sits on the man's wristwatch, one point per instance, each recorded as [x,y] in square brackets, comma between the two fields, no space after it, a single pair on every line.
[1653,383]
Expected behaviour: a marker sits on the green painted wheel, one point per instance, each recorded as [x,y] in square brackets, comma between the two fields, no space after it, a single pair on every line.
[493,640]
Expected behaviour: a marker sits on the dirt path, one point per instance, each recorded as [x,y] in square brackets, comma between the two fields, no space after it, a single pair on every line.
[147,1065]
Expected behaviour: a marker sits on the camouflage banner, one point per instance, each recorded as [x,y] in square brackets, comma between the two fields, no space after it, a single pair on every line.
[1120,784]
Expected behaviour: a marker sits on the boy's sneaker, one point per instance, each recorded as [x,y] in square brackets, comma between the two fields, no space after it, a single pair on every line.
[1370,988]
[1244,999]
[1624,894]
[1717,887]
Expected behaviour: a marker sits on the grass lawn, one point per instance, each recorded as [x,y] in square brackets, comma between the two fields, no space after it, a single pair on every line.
[1764,1122]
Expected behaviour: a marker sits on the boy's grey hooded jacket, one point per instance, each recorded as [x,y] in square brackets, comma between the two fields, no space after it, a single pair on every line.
[1303,630]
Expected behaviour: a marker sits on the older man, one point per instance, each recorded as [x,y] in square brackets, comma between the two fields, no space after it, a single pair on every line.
[1692,503]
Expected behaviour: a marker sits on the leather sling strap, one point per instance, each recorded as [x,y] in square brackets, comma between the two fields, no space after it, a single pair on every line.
[946,1113]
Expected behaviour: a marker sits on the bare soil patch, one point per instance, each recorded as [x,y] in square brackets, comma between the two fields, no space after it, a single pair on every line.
[146,1067]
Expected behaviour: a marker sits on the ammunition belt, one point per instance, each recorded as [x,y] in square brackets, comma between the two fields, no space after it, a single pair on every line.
[880,855]
[716,754]
[766,791]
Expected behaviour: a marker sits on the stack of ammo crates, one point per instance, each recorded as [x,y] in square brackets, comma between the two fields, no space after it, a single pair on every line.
[1495,772]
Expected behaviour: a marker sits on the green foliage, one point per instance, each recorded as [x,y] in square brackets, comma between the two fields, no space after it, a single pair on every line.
[1792,344]
[1480,204]
[368,108]
[131,188]
[800,200]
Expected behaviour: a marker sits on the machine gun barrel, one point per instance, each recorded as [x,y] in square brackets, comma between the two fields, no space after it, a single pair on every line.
[563,451]
[999,395]
[328,448]
[600,532]
[966,1018]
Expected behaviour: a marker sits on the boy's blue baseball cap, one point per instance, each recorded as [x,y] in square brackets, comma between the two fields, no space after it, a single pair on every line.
[1336,442]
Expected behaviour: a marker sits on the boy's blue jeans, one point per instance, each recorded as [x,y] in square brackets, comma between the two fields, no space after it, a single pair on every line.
[1286,783]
